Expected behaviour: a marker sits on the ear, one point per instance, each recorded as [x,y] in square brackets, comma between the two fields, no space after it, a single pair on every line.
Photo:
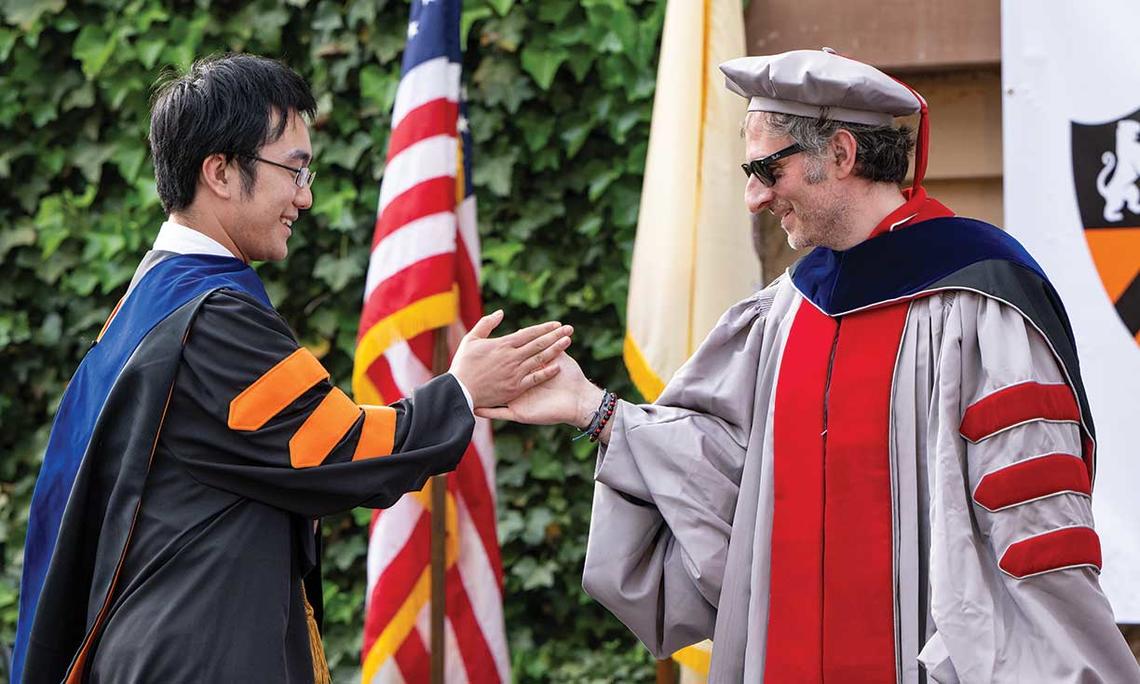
[843,148]
[218,177]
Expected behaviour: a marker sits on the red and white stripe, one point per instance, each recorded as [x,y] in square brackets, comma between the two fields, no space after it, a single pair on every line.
[426,243]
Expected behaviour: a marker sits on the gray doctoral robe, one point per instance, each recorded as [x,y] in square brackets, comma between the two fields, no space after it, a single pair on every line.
[679,545]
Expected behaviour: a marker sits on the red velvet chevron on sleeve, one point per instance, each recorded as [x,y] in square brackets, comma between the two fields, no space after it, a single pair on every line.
[1011,406]
[1031,479]
[1068,547]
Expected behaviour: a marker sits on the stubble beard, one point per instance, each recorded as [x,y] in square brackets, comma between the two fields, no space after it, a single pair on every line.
[823,225]
[798,242]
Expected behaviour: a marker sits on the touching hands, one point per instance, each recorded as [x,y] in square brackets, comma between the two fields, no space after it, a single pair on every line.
[567,398]
[497,370]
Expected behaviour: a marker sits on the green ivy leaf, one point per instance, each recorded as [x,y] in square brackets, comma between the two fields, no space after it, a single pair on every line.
[377,87]
[89,158]
[346,153]
[543,64]
[530,289]
[348,553]
[501,253]
[79,98]
[129,160]
[536,523]
[26,13]
[149,50]
[329,16]
[537,132]
[363,12]
[28,193]
[337,272]
[501,6]
[82,283]
[574,137]
[505,33]
[602,181]
[500,83]
[511,524]
[20,236]
[494,173]
[580,66]
[545,465]
[533,574]
[555,11]
[93,47]
[468,19]
[590,226]
[7,42]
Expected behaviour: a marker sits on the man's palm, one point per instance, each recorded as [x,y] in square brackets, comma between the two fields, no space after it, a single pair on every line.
[555,401]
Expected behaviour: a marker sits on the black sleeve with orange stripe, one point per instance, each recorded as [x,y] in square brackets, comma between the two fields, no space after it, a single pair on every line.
[254,413]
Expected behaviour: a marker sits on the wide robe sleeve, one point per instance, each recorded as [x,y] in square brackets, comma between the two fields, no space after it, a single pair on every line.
[261,420]
[667,487]
[1014,554]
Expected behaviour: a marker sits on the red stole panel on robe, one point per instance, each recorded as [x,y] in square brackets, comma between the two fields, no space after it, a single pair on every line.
[831,604]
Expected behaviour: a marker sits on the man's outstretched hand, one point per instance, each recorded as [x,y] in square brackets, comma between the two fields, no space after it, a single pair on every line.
[568,398]
[497,370]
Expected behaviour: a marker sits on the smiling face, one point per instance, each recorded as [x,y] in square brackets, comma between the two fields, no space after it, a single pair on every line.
[805,196]
[261,220]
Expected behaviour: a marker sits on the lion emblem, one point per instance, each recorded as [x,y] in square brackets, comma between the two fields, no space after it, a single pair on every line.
[1124,166]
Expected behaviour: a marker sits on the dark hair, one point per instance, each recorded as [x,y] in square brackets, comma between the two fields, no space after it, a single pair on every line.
[224,104]
[881,152]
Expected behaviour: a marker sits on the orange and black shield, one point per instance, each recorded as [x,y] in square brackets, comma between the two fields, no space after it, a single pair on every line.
[1106,172]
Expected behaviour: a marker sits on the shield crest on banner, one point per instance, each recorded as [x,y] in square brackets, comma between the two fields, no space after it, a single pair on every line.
[1106,172]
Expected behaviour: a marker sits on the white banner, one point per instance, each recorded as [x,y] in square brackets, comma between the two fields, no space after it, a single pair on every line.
[1071,136]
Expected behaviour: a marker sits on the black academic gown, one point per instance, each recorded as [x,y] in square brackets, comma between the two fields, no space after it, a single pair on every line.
[207,586]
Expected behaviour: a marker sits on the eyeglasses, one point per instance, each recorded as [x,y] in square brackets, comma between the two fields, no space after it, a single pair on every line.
[762,168]
[303,176]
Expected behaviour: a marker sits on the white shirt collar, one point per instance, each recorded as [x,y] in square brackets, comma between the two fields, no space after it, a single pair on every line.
[900,222]
[177,238]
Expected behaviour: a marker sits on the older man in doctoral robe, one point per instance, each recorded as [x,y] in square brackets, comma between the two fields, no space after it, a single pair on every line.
[876,469]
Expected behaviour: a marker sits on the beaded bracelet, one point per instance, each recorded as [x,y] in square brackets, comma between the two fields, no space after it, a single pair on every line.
[600,418]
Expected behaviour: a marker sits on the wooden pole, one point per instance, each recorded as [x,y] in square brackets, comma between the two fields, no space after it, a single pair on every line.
[440,361]
[667,671]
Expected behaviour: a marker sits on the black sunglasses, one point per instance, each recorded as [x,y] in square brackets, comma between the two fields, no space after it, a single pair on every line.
[761,168]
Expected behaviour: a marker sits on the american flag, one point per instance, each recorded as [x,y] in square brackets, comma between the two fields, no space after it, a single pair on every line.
[423,274]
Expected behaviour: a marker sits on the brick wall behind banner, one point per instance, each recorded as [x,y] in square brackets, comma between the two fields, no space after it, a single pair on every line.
[899,35]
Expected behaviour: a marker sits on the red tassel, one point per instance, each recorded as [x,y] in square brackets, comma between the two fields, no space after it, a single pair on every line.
[922,144]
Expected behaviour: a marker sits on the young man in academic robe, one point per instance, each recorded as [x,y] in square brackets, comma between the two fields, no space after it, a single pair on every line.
[173,532]
[876,469]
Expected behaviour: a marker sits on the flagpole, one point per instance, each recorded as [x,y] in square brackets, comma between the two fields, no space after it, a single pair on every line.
[438,534]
